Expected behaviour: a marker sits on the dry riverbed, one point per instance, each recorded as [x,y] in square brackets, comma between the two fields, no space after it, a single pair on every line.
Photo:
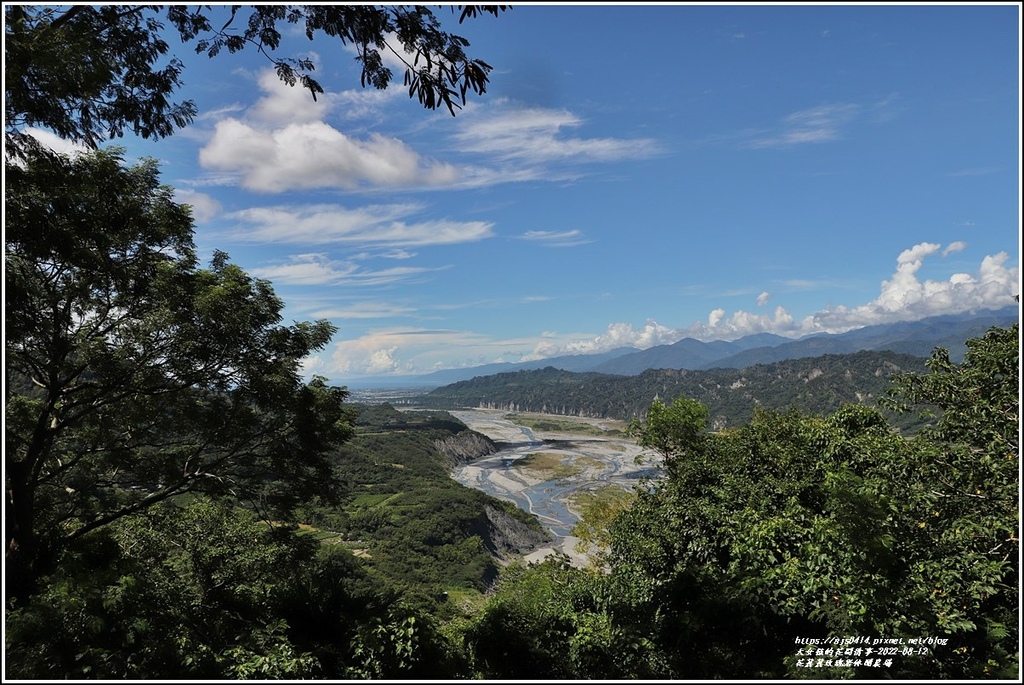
[546,461]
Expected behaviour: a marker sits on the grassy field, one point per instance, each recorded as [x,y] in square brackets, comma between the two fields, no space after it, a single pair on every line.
[548,466]
[570,424]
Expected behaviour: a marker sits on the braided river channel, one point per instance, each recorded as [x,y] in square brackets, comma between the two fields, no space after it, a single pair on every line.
[573,463]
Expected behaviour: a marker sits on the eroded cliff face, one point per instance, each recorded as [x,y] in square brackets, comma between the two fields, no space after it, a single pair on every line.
[465,446]
[507,537]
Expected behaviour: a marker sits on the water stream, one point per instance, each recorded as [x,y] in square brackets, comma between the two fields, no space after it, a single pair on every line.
[598,461]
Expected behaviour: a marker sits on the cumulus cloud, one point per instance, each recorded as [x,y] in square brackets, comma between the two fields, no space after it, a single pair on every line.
[624,335]
[282,104]
[315,155]
[381,225]
[282,142]
[739,323]
[763,298]
[382,361]
[412,350]
[55,142]
[204,207]
[902,297]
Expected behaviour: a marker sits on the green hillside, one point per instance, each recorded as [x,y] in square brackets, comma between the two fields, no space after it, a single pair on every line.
[401,512]
[816,385]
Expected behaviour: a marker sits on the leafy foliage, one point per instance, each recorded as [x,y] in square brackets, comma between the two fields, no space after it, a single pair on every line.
[92,72]
[550,620]
[797,526]
[144,376]
[204,590]
[89,73]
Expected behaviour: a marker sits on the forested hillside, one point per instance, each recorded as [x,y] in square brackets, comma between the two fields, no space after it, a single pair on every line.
[817,385]
[798,547]
[355,584]
[404,515]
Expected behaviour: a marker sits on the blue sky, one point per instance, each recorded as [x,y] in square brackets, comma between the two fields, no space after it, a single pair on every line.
[633,175]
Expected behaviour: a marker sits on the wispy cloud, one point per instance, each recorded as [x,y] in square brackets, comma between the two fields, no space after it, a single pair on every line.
[955,246]
[556,238]
[815,125]
[365,310]
[538,135]
[320,270]
[379,225]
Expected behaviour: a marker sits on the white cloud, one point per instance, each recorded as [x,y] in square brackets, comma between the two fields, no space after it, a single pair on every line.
[624,335]
[364,310]
[955,246]
[55,142]
[815,125]
[398,254]
[902,297]
[763,298]
[556,238]
[740,323]
[537,135]
[382,361]
[411,350]
[368,225]
[204,207]
[282,104]
[315,155]
[319,269]
[282,142]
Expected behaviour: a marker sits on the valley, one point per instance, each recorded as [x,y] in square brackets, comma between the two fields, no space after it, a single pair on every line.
[545,468]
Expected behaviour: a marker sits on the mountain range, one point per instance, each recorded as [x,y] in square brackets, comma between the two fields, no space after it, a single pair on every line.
[918,338]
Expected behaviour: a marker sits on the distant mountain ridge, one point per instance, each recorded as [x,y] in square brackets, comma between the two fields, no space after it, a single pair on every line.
[916,338]
[816,385]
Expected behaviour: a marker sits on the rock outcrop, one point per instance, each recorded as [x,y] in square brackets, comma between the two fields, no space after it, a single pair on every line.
[465,446]
[508,537]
